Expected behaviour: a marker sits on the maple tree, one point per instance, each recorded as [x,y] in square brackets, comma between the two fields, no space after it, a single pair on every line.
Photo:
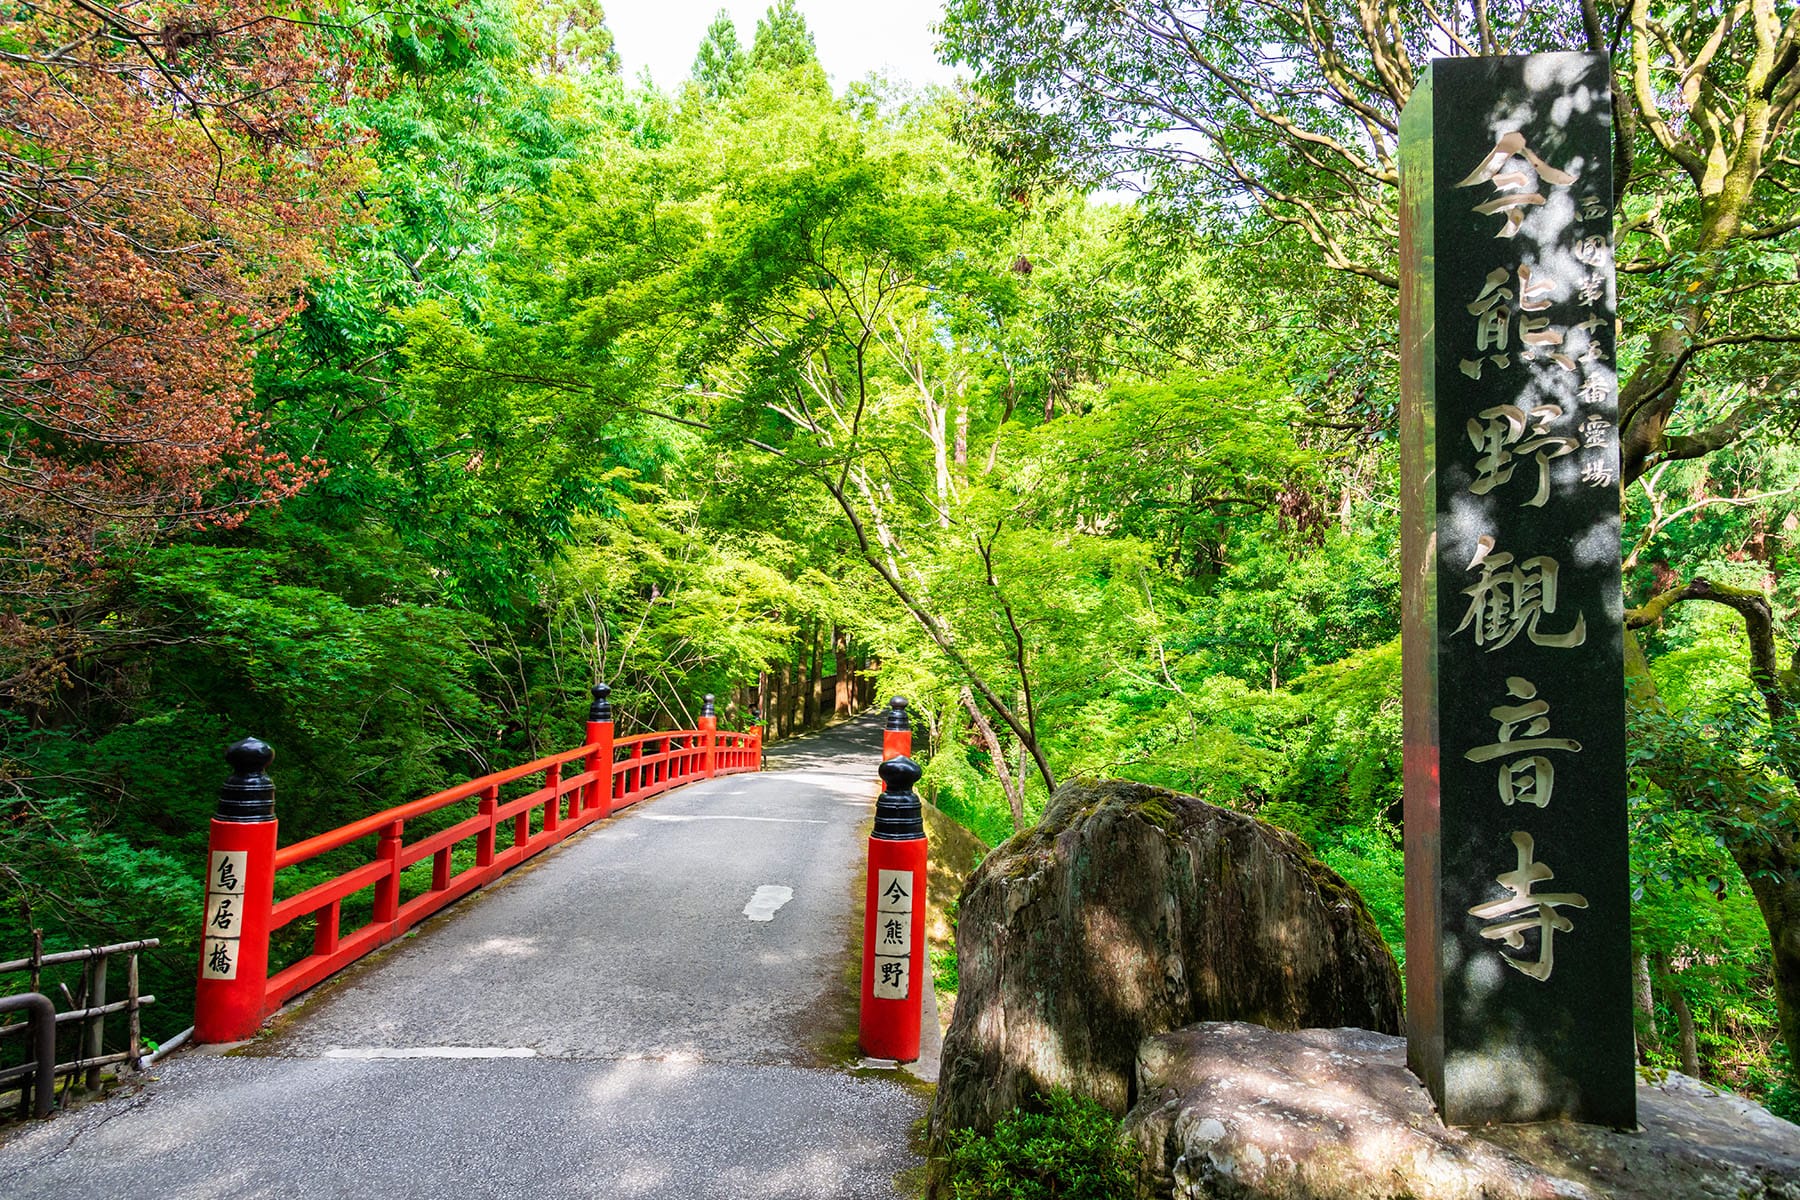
[165,179]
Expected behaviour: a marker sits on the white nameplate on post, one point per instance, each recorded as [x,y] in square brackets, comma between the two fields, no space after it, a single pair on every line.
[893,891]
[225,884]
[224,916]
[893,934]
[892,977]
[219,959]
[227,873]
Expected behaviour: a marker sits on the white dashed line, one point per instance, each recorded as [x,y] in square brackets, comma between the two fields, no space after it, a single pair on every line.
[432,1052]
[727,817]
[767,899]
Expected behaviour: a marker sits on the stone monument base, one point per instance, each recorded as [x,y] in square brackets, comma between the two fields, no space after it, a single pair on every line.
[1231,1111]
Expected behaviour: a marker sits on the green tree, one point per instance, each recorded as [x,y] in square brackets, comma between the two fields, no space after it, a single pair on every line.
[720,65]
[469,128]
[1705,137]
[784,44]
[368,628]
[577,40]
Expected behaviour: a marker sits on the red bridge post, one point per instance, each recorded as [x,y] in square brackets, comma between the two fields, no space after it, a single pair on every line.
[894,919]
[600,756]
[896,737]
[709,736]
[230,999]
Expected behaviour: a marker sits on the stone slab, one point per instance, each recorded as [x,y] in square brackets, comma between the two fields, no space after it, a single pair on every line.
[1232,1111]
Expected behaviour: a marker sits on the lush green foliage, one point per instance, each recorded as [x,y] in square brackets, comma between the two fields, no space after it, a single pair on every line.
[753,382]
[1070,1149]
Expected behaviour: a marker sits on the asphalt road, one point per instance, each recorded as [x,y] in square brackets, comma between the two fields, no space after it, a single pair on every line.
[604,1022]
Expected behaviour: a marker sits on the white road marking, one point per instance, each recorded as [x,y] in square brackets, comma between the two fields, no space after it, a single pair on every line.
[433,1052]
[767,899]
[727,817]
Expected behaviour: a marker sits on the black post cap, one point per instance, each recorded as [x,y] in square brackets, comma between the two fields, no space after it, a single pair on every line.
[248,796]
[706,706]
[898,817]
[601,709]
[896,717]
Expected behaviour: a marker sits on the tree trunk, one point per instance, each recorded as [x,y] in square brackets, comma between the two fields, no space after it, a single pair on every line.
[1644,1000]
[934,423]
[940,460]
[1767,847]
[796,690]
[1689,1041]
[820,714]
[1773,869]
[812,683]
[773,714]
[1014,800]
[1019,754]
[784,703]
[801,690]
[844,702]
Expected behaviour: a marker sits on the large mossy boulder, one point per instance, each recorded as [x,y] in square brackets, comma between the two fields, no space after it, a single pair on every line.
[1131,911]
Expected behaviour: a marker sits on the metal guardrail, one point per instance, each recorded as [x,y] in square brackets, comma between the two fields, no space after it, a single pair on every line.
[38,1074]
[42,1066]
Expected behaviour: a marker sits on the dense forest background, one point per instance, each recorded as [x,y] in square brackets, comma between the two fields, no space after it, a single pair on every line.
[376,382]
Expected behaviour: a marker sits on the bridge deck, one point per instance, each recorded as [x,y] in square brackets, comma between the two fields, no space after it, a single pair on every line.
[606,1023]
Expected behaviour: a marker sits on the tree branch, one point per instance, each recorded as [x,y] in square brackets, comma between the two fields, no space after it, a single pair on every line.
[987,559]
[1014,800]
[935,629]
[1759,628]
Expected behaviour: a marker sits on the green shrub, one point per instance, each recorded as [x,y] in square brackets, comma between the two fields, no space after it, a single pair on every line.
[944,976]
[1070,1150]
[1783,1098]
[1371,860]
[1775,1083]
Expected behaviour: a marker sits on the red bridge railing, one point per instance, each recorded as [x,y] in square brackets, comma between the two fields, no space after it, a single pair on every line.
[574,788]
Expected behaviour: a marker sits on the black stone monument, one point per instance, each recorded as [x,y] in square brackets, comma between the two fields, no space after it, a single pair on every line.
[1517,897]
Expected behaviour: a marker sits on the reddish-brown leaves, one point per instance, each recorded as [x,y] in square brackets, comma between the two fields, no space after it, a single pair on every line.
[166,180]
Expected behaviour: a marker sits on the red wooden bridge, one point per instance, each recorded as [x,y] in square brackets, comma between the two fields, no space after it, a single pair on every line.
[664,1008]
[240,984]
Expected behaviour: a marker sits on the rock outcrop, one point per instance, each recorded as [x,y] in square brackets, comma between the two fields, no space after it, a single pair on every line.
[1232,1111]
[1131,911]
